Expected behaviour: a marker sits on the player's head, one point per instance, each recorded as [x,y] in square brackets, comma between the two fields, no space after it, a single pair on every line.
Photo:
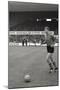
[46,29]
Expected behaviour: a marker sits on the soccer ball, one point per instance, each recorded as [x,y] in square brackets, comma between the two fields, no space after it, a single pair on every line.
[27,78]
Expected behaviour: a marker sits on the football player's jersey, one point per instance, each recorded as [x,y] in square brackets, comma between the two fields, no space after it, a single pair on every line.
[50,40]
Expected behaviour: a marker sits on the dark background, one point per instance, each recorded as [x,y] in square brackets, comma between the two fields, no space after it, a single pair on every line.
[23,16]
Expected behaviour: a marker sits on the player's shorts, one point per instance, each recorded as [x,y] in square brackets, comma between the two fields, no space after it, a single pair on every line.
[50,49]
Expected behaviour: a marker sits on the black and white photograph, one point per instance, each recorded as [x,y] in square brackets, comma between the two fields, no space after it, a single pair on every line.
[33,45]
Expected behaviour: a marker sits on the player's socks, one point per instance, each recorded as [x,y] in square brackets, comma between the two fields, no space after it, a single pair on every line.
[51,68]
[55,67]
[54,64]
[50,65]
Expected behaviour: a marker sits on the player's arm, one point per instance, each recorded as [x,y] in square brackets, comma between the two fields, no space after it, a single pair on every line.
[45,41]
[53,39]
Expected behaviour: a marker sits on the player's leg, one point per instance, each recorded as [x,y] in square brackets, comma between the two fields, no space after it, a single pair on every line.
[49,62]
[48,58]
[53,62]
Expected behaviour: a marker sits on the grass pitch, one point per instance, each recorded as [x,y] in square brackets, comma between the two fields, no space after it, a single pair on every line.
[31,60]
